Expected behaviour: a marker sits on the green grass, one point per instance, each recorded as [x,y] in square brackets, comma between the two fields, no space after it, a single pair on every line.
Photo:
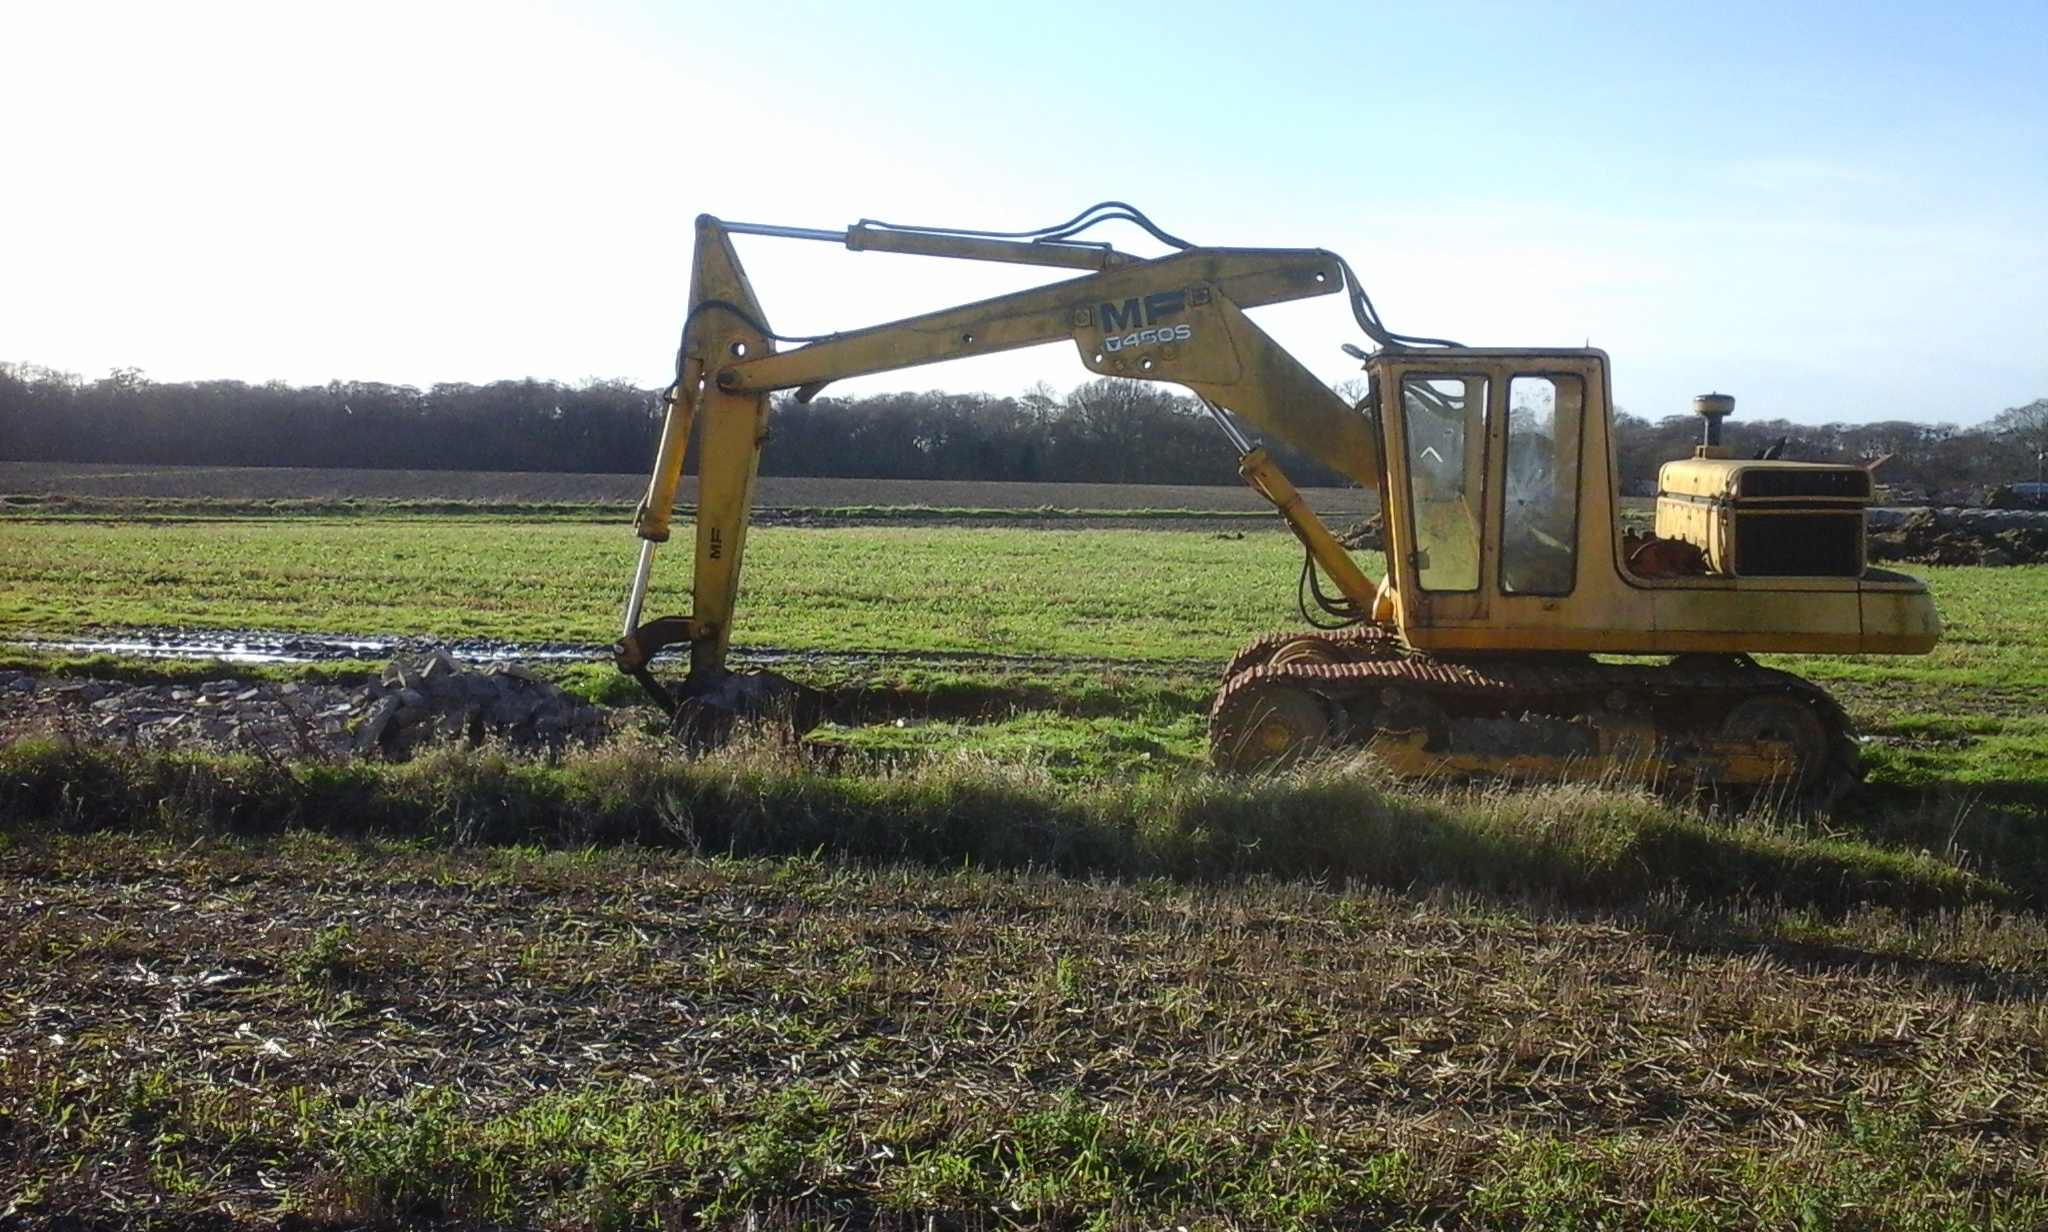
[1163,605]
[1342,821]
[1015,962]
[1098,593]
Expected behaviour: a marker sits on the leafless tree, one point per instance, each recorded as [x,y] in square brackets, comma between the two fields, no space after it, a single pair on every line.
[2027,426]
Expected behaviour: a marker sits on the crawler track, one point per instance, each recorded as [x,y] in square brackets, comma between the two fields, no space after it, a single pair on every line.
[1695,721]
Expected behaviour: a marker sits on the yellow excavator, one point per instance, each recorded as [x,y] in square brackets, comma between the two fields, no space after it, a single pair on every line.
[1520,630]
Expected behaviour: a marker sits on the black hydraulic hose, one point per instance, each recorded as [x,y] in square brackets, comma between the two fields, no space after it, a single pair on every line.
[1368,317]
[1311,586]
[1106,211]
[747,319]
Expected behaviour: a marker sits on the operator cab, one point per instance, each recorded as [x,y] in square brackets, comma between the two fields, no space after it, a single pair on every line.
[1502,518]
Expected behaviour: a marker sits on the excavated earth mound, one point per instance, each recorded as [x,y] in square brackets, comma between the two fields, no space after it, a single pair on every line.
[1955,536]
[415,702]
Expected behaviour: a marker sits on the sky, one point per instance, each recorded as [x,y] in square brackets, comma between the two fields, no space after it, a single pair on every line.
[1833,211]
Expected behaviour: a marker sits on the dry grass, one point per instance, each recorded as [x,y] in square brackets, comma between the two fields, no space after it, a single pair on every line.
[350,1028]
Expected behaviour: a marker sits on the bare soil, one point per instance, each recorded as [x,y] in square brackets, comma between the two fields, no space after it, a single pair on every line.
[522,487]
[245,1029]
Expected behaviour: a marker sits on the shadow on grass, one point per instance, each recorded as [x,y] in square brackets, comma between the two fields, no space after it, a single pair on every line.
[1975,980]
[1340,823]
[1996,828]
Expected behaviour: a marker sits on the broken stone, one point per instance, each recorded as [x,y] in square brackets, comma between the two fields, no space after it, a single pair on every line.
[506,703]
[370,732]
[439,663]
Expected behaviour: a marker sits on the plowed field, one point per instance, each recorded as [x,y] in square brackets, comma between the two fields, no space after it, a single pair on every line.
[523,487]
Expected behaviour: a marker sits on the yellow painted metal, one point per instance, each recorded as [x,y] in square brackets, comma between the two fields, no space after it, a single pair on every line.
[1898,616]
[1282,397]
[725,325]
[657,508]
[1248,277]
[1610,609]
[1723,479]
[1264,477]
[1621,759]
[1180,318]
[1703,500]
[729,367]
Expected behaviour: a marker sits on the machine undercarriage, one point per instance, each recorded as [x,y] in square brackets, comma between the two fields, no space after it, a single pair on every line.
[1695,721]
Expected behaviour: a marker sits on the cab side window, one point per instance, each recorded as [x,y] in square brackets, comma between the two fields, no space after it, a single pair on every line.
[1540,486]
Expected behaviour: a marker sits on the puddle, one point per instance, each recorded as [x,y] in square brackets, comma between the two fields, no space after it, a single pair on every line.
[270,647]
[255,647]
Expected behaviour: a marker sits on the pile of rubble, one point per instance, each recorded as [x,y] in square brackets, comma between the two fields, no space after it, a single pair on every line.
[415,702]
[1959,536]
[1366,536]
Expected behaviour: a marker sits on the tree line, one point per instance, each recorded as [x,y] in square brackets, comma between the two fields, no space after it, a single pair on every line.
[1103,431]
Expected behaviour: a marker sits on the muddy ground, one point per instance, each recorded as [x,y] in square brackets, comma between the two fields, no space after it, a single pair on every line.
[1959,536]
[413,702]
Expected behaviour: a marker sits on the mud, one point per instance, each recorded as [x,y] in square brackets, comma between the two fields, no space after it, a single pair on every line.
[415,702]
[469,692]
[1955,536]
[270,647]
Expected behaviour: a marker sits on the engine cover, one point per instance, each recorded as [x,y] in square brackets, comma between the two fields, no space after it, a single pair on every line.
[1767,518]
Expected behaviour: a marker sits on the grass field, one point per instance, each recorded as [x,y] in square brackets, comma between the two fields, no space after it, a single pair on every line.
[349,1030]
[1175,601]
[1113,594]
[1023,966]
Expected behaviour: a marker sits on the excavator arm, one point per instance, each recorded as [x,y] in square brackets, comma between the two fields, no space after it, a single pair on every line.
[1178,318]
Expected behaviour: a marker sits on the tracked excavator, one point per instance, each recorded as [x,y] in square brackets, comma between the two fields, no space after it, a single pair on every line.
[1519,631]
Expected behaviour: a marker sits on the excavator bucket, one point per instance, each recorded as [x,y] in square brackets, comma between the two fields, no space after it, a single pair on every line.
[711,703]
[708,717]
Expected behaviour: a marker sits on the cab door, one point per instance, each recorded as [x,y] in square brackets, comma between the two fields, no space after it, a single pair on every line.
[1436,507]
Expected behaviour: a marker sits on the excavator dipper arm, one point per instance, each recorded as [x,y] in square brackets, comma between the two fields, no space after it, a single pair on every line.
[1177,318]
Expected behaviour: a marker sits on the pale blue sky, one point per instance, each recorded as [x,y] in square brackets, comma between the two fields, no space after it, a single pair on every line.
[1833,211]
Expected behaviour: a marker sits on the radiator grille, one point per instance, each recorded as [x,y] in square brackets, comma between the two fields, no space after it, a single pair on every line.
[1798,544]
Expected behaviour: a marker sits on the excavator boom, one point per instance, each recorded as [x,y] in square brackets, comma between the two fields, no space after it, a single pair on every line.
[1175,318]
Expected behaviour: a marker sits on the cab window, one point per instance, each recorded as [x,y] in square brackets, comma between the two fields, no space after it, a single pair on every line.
[1540,486]
[1444,426]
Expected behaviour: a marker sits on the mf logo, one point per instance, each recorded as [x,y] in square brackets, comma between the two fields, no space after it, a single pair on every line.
[1155,308]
